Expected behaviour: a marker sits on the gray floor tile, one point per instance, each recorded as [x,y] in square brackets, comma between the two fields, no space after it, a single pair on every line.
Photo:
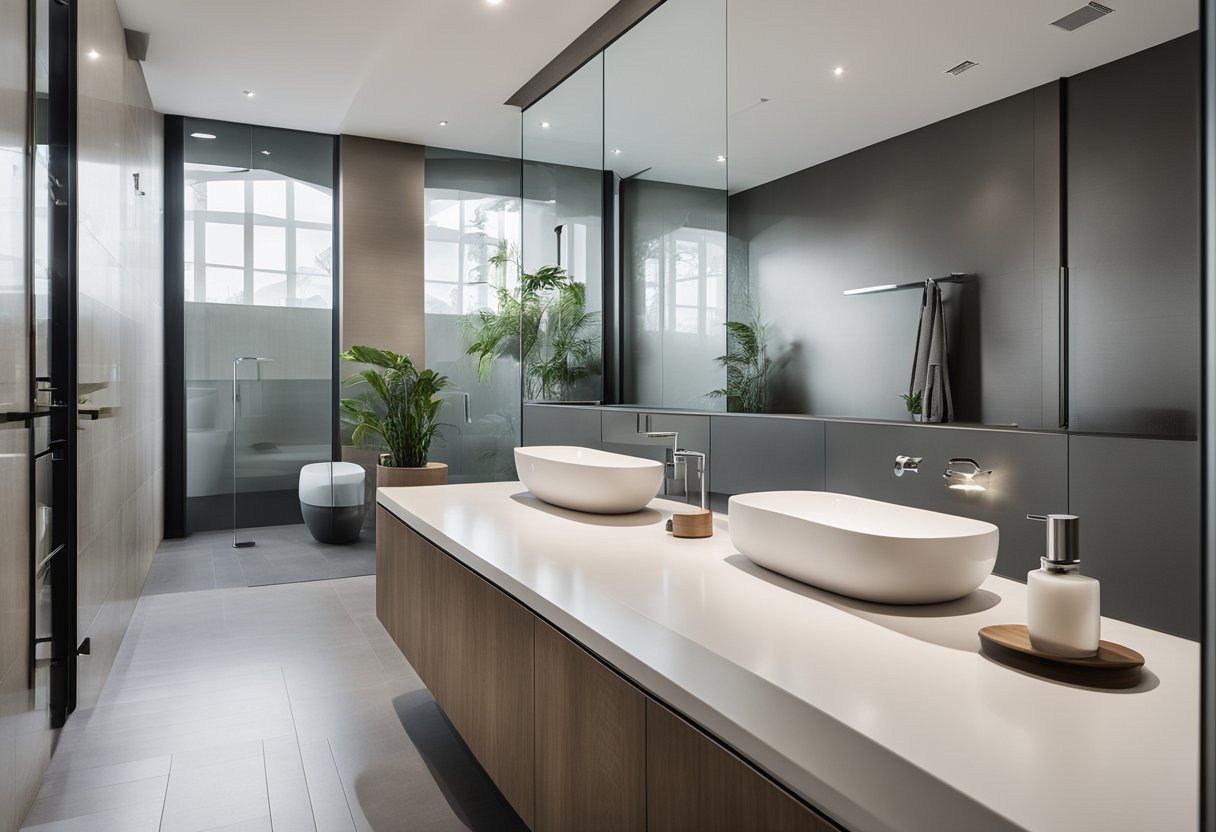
[288,702]
[290,807]
[142,818]
[216,795]
[81,802]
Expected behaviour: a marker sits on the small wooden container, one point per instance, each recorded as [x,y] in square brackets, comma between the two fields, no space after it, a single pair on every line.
[692,524]
[1114,667]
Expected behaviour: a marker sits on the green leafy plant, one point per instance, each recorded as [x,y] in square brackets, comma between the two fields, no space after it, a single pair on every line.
[544,324]
[748,367]
[401,407]
[912,401]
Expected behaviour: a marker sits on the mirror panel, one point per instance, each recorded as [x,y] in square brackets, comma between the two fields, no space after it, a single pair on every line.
[560,293]
[666,145]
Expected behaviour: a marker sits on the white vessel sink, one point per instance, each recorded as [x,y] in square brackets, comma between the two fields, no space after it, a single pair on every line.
[864,548]
[585,479]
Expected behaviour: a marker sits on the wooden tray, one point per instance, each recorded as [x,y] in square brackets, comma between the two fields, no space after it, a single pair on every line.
[1114,667]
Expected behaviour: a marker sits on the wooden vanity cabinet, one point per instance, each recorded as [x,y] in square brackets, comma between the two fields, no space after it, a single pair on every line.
[571,744]
[590,742]
[472,647]
[696,785]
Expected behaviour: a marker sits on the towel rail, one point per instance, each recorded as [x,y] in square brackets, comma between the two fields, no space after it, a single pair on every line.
[953,277]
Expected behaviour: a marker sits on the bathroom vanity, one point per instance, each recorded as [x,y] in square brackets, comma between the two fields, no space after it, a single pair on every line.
[609,676]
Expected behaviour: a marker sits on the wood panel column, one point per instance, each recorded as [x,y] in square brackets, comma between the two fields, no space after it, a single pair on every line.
[382,245]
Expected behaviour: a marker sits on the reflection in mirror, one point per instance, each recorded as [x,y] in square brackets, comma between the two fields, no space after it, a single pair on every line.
[665,143]
[1066,184]
[558,301]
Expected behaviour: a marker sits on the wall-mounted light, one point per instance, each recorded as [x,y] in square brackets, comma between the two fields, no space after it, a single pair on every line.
[202,135]
[964,474]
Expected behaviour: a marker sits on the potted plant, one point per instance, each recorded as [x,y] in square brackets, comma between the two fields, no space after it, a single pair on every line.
[912,401]
[544,323]
[748,367]
[401,411]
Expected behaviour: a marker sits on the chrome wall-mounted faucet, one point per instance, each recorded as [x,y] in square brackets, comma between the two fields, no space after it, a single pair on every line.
[907,465]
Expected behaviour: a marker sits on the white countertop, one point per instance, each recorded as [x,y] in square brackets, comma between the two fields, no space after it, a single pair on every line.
[885,718]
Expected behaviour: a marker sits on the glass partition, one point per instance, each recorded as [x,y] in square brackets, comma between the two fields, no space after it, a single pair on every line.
[665,143]
[472,215]
[259,295]
[561,254]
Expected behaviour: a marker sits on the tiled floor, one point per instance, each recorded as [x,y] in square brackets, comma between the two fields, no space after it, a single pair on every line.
[283,554]
[279,707]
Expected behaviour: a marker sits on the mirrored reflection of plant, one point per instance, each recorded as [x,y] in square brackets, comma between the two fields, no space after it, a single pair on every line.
[912,402]
[748,367]
[543,323]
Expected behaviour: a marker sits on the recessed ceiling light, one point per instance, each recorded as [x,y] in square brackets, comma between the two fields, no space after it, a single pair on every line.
[249,93]
[202,135]
[545,125]
[93,54]
[493,2]
[838,71]
[721,158]
[443,124]
[616,151]
[265,152]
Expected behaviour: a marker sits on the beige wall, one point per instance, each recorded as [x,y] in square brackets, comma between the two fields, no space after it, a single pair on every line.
[381,196]
[121,339]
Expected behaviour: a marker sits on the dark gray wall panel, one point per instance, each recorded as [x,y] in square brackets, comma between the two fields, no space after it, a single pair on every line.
[765,453]
[964,194]
[1030,475]
[546,424]
[1138,500]
[1133,242]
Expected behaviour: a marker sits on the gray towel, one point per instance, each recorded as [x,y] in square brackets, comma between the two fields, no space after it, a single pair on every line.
[930,375]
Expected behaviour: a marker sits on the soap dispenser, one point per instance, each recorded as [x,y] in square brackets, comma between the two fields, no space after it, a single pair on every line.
[1062,605]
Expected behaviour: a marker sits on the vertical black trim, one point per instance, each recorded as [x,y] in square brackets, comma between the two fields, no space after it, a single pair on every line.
[335,261]
[611,364]
[61,124]
[175,328]
[1063,379]
[1207,431]
[31,349]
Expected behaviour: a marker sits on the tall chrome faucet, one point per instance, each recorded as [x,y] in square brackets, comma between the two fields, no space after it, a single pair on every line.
[676,465]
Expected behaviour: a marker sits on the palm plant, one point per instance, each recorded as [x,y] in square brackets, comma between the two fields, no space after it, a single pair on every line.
[747,366]
[544,324]
[401,407]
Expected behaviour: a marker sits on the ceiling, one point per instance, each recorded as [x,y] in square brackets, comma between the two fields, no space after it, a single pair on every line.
[672,106]
[389,69]
[672,95]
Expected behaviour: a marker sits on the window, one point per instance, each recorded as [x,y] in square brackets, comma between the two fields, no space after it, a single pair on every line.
[463,231]
[257,238]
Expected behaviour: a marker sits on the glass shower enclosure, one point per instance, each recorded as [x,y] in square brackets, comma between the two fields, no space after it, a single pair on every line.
[259,321]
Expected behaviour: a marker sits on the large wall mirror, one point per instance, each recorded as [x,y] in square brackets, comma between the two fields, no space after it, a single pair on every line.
[1066,184]
[771,170]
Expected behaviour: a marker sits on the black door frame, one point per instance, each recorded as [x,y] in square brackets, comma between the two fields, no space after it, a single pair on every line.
[62,269]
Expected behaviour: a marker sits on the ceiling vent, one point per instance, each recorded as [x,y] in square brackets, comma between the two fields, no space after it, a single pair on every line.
[1086,14]
[959,69]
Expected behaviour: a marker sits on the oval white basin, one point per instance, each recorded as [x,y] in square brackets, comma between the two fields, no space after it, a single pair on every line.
[585,479]
[868,549]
